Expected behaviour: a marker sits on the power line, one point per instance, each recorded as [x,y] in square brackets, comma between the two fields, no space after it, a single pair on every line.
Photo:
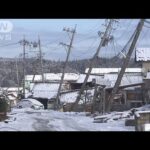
[93,28]
[9,44]
[104,41]
[86,52]
[125,31]
[125,63]
[142,37]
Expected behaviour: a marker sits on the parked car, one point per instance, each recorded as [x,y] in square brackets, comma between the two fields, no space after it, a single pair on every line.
[30,103]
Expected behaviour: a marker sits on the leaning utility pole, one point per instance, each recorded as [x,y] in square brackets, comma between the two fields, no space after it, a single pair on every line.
[68,53]
[104,40]
[40,57]
[126,61]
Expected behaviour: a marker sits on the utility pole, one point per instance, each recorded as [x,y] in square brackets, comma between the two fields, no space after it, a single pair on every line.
[104,40]
[125,64]
[103,101]
[68,53]
[17,74]
[24,43]
[40,57]
[94,99]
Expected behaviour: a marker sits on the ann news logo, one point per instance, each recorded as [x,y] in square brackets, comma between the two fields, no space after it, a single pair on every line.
[5,30]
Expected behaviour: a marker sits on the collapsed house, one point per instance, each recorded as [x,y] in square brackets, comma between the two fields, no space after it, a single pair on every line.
[69,97]
[131,93]
[45,93]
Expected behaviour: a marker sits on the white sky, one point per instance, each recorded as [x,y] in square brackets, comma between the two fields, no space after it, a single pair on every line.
[85,42]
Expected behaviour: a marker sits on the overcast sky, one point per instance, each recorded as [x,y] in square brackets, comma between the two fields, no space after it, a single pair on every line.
[85,42]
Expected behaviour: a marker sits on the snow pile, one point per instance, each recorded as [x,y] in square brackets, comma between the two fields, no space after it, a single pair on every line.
[112,117]
[146,127]
[34,101]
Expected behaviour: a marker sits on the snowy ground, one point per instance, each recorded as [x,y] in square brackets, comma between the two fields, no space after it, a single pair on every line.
[49,120]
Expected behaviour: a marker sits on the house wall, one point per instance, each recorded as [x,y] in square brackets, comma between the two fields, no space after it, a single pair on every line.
[134,98]
[75,86]
[140,121]
[146,66]
[146,90]
[130,98]
[135,95]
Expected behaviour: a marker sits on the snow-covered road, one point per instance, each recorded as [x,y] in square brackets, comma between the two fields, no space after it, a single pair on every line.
[49,120]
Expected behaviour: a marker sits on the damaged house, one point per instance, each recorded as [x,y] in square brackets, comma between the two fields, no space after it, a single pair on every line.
[46,92]
[131,92]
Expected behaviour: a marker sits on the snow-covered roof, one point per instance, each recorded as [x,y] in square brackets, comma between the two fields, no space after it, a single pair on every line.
[99,79]
[143,54]
[12,89]
[70,76]
[53,77]
[126,80]
[112,70]
[36,77]
[45,90]
[82,77]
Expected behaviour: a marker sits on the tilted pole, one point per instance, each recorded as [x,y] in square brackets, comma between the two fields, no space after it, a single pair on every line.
[125,63]
[64,68]
[102,43]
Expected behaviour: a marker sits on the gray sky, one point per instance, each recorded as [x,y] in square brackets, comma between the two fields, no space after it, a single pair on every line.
[85,42]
